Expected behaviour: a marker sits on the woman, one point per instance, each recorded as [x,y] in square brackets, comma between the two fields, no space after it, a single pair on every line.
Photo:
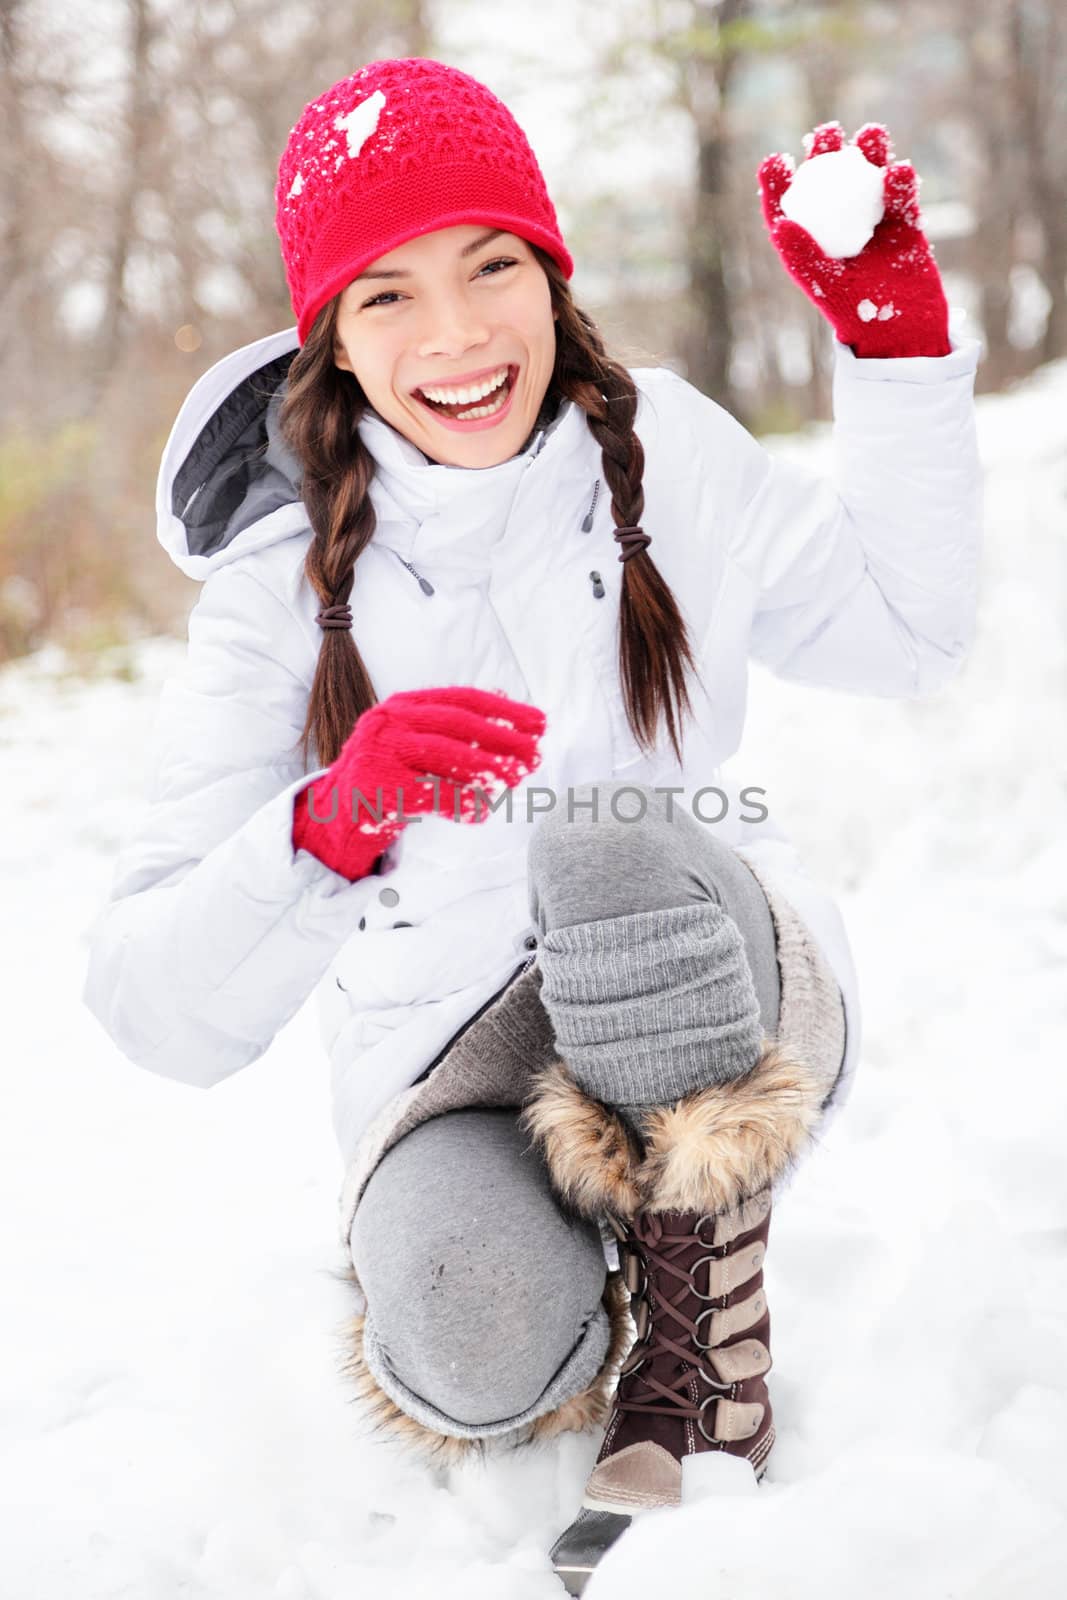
[615,1012]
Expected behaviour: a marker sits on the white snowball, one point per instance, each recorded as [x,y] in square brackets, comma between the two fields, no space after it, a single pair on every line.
[837,197]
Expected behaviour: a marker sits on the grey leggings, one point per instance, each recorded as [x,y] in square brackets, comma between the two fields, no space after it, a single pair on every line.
[484,1294]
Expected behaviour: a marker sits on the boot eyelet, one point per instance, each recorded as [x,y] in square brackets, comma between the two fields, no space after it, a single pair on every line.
[710,1312]
[720,1444]
[713,1383]
[699,1263]
[711,1217]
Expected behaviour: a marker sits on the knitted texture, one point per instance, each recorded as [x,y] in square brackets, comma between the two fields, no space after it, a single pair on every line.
[365,799]
[647,1007]
[886,301]
[811,1019]
[482,1067]
[400,148]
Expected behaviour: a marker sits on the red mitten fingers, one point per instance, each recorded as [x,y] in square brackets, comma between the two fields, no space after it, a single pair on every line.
[887,299]
[873,140]
[486,702]
[455,770]
[902,193]
[464,737]
[827,136]
[493,745]
[775,175]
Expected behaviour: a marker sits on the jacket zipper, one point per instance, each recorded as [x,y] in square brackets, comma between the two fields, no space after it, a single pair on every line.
[493,998]
[587,522]
[424,583]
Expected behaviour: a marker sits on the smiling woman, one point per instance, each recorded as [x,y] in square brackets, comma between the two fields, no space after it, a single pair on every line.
[436,333]
[415,351]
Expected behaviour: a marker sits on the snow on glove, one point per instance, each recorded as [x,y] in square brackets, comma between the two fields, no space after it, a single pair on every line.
[884,297]
[460,735]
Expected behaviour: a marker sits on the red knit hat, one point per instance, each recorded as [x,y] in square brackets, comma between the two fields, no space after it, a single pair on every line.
[398,149]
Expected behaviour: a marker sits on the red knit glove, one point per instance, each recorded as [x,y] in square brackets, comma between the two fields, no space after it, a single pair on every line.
[886,301]
[461,735]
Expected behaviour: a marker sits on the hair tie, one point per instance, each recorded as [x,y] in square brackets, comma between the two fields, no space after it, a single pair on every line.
[339,616]
[633,540]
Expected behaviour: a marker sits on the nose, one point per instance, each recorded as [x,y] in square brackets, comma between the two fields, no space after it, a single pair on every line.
[453,326]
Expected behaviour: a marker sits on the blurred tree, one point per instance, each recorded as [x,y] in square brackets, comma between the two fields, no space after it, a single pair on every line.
[137,145]
[717,54]
[40,189]
[136,206]
[1036,40]
[1008,97]
[139,142]
[707,55]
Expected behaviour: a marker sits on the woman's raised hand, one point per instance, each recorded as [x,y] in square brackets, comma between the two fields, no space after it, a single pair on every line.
[888,299]
[441,750]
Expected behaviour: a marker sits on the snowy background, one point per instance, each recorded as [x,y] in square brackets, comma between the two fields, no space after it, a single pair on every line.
[172,1418]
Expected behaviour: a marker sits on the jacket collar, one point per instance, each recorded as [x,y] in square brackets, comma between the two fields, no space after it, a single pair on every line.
[441,517]
[228,484]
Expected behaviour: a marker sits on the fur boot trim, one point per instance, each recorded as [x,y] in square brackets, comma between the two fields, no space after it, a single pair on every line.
[591,1153]
[581,1413]
[711,1151]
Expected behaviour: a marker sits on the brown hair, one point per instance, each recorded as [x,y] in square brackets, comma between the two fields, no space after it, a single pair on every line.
[319,419]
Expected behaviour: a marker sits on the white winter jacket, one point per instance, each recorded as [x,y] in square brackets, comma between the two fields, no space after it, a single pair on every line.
[216,931]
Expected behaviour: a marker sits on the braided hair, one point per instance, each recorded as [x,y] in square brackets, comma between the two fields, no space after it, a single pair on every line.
[319,419]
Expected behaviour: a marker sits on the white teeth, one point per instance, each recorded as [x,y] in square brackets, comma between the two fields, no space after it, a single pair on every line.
[468,394]
[483,411]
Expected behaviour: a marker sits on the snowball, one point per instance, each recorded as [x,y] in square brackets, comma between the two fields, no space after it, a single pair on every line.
[361,121]
[837,197]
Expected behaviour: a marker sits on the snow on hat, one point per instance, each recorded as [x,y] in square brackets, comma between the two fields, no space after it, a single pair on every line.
[400,148]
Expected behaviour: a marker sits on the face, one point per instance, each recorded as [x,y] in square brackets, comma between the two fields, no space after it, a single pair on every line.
[455,308]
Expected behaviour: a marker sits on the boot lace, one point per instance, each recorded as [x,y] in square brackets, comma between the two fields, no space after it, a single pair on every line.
[659,1254]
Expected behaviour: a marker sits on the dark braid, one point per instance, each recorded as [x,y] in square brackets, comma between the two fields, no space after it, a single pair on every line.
[319,419]
[654,648]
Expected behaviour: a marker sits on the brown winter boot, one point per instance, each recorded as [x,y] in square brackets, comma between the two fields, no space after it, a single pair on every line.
[691,1210]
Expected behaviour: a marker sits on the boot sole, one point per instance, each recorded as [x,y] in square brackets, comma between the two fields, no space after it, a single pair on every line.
[589,1503]
[575,1576]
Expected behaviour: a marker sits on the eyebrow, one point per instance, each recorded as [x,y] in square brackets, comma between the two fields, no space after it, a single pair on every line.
[468,250]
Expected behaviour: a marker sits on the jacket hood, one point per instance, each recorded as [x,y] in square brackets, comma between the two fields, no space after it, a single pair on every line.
[228,483]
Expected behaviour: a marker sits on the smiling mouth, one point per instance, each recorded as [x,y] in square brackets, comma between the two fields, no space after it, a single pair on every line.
[467,410]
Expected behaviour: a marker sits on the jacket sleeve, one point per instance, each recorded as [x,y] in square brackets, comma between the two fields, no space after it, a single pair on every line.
[216,930]
[866,581]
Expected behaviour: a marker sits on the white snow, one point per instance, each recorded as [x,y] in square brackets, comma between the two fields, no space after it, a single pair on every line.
[359,123]
[837,197]
[867,311]
[173,1419]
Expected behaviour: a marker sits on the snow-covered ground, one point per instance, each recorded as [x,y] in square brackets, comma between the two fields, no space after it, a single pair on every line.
[173,1418]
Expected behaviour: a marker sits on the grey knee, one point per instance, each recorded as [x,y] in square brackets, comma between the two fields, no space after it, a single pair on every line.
[610,849]
[642,851]
[478,1285]
[636,822]
[607,804]
[604,850]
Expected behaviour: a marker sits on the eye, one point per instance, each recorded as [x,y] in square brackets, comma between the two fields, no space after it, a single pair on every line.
[387,294]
